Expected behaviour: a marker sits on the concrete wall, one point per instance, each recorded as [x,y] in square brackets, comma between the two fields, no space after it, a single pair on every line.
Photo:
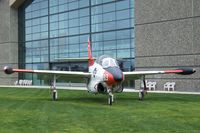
[8,40]
[167,36]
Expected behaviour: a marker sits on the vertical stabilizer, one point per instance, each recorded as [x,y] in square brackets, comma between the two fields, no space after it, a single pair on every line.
[90,58]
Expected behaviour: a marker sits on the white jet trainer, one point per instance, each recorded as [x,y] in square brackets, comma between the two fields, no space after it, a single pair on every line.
[104,76]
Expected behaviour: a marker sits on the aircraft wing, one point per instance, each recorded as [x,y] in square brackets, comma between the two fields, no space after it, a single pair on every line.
[139,74]
[71,74]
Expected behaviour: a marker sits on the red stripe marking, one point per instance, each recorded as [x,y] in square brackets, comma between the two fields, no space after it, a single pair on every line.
[173,71]
[90,59]
[23,70]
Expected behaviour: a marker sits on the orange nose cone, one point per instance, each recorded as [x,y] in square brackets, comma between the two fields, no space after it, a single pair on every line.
[108,77]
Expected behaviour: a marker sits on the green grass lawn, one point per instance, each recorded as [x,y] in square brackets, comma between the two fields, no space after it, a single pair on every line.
[32,110]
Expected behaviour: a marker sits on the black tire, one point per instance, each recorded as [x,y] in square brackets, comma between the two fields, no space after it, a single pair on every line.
[54,96]
[142,96]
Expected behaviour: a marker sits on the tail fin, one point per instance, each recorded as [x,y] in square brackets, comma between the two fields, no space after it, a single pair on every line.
[90,58]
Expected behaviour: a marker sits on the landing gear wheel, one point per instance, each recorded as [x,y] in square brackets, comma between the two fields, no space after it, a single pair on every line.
[141,95]
[54,95]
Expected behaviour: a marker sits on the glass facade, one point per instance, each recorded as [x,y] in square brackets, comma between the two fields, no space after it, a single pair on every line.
[52,29]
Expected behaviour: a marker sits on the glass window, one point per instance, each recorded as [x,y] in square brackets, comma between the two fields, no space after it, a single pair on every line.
[35,14]
[44,35]
[109,45]
[123,53]
[97,27]
[84,12]
[97,46]
[44,12]
[44,27]
[44,58]
[53,42]
[73,40]
[54,9]
[28,9]
[109,17]
[73,23]
[73,5]
[35,6]
[73,31]
[54,50]
[83,39]
[95,2]
[44,4]
[74,48]
[84,29]
[36,36]
[53,18]
[63,32]
[36,28]
[44,43]
[44,51]
[28,30]
[111,53]
[28,23]
[123,34]
[62,41]
[122,5]
[53,2]
[28,15]
[108,7]
[54,33]
[35,21]
[73,14]
[84,21]
[28,37]
[83,54]
[109,36]
[63,49]
[63,7]
[63,16]
[123,24]
[83,3]
[97,37]
[73,55]
[36,44]
[62,2]
[96,10]
[63,24]
[44,20]
[28,59]
[28,45]
[112,29]
[54,26]
[97,19]
[123,14]
[123,43]
[28,52]
[109,26]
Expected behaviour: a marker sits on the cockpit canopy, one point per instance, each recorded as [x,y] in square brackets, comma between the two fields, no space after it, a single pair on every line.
[106,61]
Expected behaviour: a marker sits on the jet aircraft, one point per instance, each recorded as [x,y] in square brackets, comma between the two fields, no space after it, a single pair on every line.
[104,75]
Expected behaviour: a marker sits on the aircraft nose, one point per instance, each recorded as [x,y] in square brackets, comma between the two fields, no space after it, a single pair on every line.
[116,73]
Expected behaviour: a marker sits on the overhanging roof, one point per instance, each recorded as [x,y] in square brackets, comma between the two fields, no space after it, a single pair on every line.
[16,3]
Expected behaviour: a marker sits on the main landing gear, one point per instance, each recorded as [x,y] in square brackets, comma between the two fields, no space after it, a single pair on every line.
[54,92]
[143,90]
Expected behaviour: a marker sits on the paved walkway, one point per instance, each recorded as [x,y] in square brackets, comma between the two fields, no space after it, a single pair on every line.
[84,88]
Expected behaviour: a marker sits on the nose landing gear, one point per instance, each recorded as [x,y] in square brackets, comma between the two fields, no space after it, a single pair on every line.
[110,97]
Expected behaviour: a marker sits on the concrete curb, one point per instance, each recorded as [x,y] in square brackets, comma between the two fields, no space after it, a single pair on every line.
[85,89]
